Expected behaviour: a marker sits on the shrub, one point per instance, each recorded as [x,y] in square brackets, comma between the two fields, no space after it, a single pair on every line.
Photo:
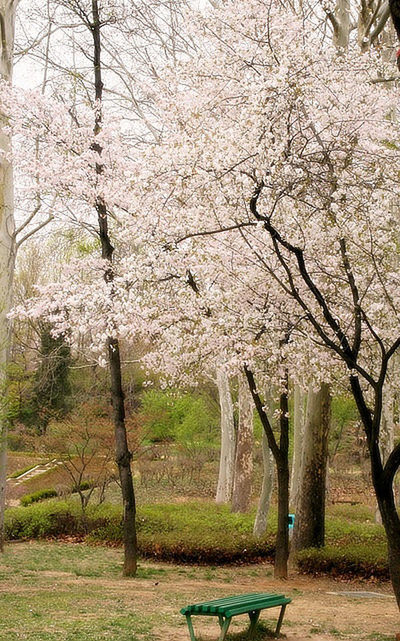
[81,487]
[40,495]
[18,473]
[204,533]
[196,532]
[42,520]
[361,560]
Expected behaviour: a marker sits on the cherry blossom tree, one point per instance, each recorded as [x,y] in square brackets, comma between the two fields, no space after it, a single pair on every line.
[289,145]
[260,226]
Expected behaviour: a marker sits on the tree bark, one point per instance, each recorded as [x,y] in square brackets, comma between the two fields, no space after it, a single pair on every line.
[7,245]
[386,440]
[261,520]
[341,29]
[282,465]
[383,485]
[227,455]
[298,442]
[281,455]
[309,529]
[243,473]
[123,455]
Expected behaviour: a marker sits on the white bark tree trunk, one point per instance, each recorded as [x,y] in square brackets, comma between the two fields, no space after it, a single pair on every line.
[261,520]
[243,473]
[309,529]
[7,243]
[298,442]
[227,456]
[341,29]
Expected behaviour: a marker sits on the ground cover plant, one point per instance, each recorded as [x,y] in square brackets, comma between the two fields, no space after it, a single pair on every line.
[203,532]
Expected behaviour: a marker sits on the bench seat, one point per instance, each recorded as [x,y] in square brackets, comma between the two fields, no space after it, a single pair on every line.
[231,606]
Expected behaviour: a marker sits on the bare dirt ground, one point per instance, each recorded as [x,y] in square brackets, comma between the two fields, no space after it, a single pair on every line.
[316,612]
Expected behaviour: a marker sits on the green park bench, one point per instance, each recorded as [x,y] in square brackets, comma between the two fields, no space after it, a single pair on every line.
[231,606]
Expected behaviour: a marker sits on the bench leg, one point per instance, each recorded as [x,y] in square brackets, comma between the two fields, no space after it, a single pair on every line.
[224,629]
[254,616]
[190,626]
[281,615]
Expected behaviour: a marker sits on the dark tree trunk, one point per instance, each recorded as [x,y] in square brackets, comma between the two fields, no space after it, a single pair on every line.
[309,529]
[123,455]
[281,456]
[123,458]
[282,464]
[383,485]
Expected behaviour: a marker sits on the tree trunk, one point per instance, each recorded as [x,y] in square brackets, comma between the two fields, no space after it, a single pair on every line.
[260,523]
[309,529]
[7,245]
[123,455]
[341,31]
[123,458]
[227,455]
[244,451]
[281,455]
[383,485]
[298,442]
[282,465]
[386,439]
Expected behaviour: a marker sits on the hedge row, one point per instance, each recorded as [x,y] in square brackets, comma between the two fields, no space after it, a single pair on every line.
[196,534]
[356,560]
[203,533]
[50,492]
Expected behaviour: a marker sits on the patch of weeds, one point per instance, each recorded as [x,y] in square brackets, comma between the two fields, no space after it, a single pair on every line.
[209,575]
[148,572]
[261,632]
[378,636]
[335,633]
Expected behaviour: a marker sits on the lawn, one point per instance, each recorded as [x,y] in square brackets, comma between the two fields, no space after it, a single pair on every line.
[53,591]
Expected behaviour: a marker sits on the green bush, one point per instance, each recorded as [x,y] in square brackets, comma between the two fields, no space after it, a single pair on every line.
[206,533]
[195,532]
[43,520]
[81,487]
[40,495]
[361,560]
[18,473]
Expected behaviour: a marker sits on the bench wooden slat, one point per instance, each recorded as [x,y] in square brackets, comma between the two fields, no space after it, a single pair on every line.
[227,602]
[245,604]
[258,605]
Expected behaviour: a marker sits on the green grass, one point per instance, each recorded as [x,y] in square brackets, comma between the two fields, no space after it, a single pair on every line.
[47,602]
[55,591]
[52,591]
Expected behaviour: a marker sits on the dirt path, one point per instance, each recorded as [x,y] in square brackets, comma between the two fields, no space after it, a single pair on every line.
[47,578]
[321,609]
[317,611]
